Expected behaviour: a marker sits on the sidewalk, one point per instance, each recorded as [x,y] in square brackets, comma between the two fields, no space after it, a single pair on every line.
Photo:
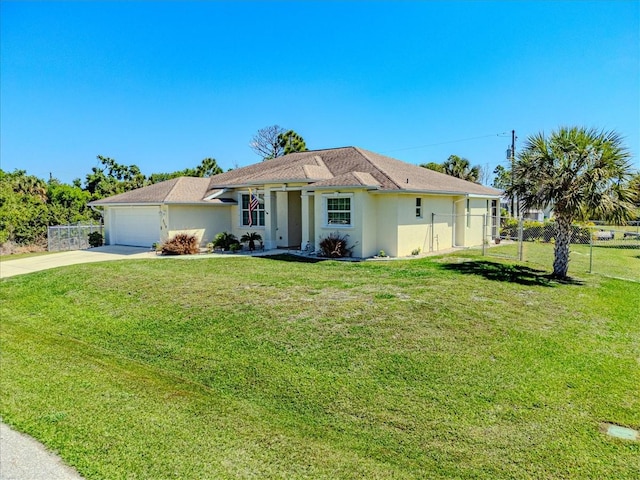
[23,458]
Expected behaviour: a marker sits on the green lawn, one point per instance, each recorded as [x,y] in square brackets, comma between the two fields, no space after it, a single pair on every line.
[619,258]
[443,367]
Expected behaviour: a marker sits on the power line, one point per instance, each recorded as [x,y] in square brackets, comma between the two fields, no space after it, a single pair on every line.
[448,141]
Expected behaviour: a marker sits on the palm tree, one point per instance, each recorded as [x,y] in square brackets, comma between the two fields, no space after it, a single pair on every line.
[582,173]
[251,239]
[461,168]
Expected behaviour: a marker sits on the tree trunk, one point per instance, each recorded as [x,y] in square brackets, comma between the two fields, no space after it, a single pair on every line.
[561,248]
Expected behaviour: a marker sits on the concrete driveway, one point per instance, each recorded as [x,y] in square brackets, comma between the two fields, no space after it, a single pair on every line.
[9,268]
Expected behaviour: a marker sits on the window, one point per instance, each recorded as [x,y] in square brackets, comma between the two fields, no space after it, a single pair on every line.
[257,215]
[468,213]
[418,208]
[339,211]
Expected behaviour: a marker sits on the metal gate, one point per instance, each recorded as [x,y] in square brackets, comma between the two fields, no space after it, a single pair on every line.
[71,237]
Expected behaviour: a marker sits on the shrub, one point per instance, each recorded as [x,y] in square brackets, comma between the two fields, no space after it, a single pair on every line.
[224,240]
[335,246]
[416,251]
[95,239]
[251,239]
[509,228]
[181,244]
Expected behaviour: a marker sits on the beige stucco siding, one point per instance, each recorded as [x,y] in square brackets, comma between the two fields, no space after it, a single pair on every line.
[322,229]
[414,233]
[439,211]
[474,234]
[369,219]
[202,221]
[387,224]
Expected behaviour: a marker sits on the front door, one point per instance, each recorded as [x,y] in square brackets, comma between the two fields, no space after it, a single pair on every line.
[294,233]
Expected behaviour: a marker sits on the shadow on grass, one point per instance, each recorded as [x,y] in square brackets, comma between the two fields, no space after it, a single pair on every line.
[286,257]
[508,273]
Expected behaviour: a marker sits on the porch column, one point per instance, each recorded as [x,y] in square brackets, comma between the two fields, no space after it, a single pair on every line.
[270,220]
[306,233]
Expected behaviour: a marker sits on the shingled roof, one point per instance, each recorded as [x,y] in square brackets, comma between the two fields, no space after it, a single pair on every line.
[318,169]
[177,190]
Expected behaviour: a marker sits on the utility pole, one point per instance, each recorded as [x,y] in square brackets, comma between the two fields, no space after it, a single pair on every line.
[513,162]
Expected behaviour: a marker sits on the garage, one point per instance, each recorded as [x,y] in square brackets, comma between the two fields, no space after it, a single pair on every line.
[134,226]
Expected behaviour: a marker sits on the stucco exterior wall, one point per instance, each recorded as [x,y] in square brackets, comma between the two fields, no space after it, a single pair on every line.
[323,230]
[368,219]
[439,212]
[474,234]
[414,233]
[387,225]
[202,221]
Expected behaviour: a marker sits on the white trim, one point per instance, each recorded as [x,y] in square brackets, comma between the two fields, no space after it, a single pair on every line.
[220,191]
[261,203]
[325,210]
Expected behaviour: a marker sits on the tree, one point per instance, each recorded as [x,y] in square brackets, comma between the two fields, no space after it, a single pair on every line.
[23,208]
[461,168]
[582,173]
[291,142]
[207,168]
[634,185]
[275,141]
[437,167]
[266,142]
[67,204]
[113,178]
[502,178]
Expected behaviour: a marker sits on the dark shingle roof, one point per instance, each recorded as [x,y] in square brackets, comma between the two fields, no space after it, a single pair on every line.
[336,167]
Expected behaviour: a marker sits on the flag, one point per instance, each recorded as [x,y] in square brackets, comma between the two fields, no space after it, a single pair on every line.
[253,205]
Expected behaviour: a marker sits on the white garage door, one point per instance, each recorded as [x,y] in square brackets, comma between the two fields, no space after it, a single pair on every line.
[135,226]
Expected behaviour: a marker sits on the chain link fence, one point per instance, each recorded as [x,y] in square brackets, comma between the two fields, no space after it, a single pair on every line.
[609,250]
[71,237]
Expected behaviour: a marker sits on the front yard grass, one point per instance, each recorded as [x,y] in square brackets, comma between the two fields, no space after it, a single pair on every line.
[619,259]
[444,367]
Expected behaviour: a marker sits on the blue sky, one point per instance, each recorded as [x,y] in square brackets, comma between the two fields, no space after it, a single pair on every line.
[163,85]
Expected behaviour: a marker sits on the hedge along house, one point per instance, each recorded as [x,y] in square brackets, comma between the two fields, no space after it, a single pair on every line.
[380,202]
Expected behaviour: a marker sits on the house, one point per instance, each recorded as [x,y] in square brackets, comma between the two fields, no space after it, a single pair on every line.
[380,202]
[536,215]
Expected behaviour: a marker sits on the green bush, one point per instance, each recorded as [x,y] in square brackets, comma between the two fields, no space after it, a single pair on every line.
[95,239]
[224,240]
[181,244]
[509,228]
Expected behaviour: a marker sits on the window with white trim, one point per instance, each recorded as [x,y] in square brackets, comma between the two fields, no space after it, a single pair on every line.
[338,210]
[418,208]
[257,215]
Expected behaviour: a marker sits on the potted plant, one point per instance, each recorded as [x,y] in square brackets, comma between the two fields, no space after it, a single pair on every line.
[251,239]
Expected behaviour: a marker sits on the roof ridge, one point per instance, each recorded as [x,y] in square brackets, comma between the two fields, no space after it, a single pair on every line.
[361,176]
[376,166]
[173,187]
